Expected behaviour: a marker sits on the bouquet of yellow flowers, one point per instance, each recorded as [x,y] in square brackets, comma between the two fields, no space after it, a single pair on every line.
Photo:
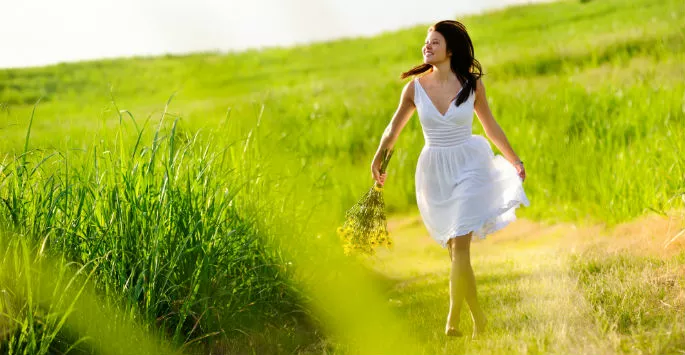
[366,226]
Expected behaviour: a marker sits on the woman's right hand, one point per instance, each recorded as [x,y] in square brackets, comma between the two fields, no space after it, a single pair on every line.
[375,172]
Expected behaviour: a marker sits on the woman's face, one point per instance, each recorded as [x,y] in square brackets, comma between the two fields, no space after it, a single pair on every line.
[435,48]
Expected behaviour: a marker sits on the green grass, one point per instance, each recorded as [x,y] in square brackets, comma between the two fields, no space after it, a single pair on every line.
[564,79]
[553,289]
[173,243]
[200,181]
[637,300]
[48,306]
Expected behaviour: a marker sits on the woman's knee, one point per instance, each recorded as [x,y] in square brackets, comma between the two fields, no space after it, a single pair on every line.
[460,243]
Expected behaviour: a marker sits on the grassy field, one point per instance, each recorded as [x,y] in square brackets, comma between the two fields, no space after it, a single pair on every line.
[202,192]
[548,288]
[589,85]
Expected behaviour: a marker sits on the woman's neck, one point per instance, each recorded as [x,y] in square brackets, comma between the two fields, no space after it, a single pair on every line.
[442,72]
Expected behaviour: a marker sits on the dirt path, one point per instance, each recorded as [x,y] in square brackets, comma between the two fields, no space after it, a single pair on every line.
[525,279]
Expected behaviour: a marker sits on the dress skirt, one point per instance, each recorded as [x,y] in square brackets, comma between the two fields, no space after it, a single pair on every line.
[466,188]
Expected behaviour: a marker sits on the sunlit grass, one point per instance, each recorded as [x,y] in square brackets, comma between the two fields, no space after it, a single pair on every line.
[201,257]
[573,85]
[174,244]
[638,302]
[546,289]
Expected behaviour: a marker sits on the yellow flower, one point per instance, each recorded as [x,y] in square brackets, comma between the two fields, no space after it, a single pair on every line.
[377,188]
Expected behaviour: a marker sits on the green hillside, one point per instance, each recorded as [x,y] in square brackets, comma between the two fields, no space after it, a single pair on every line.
[595,86]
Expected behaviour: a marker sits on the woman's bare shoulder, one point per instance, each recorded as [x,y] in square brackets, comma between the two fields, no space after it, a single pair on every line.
[408,91]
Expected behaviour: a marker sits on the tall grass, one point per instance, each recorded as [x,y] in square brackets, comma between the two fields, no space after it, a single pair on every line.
[175,244]
[200,257]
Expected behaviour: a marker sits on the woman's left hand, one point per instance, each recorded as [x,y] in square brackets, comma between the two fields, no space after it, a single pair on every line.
[521,171]
[382,178]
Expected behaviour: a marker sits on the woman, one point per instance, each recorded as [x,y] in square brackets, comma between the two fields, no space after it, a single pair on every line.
[462,188]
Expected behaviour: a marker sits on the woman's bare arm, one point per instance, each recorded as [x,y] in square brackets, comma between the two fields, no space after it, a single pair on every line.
[491,127]
[402,115]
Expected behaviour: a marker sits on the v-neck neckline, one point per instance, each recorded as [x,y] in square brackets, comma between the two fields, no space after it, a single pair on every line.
[431,100]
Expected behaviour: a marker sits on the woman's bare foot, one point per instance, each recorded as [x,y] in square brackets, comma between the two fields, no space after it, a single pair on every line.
[453,332]
[479,324]
[450,328]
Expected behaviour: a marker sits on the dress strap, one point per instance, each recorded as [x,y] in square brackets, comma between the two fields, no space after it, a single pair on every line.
[416,91]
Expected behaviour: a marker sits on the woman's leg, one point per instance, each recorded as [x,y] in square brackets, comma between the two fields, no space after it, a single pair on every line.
[463,284]
[456,289]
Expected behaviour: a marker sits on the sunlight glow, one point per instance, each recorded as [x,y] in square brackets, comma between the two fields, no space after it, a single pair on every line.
[40,32]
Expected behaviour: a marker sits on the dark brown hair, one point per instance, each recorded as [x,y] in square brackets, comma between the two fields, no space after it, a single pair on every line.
[463,63]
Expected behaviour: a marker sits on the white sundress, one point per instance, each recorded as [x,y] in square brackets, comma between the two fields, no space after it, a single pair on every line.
[461,185]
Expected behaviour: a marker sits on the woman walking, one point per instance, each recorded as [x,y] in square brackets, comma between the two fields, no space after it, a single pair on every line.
[462,188]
